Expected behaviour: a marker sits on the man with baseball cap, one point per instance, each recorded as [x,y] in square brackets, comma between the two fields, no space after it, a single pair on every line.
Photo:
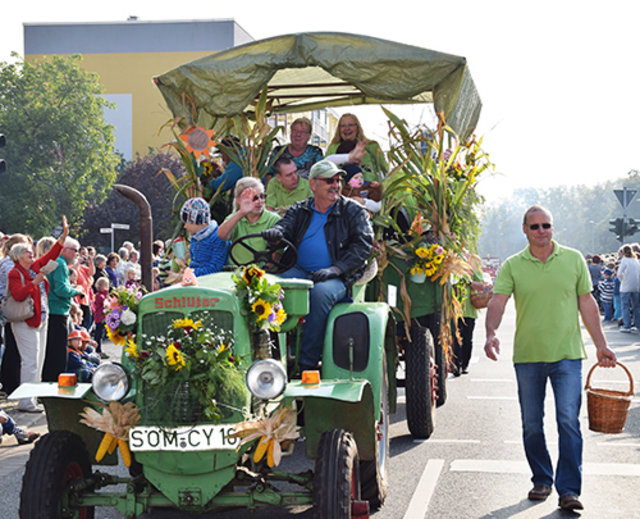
[333,237]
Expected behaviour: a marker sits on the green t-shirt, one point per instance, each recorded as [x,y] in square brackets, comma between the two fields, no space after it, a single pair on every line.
[546,297]
[278,196]
[244,227]
[426,298]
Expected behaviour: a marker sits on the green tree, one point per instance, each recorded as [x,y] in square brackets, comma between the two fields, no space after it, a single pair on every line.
[60,151]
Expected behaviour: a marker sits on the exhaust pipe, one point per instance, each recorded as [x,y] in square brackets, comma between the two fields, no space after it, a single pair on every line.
[146,231]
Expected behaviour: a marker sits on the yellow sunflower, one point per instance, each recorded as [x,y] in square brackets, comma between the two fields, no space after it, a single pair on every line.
[281,315]
[252,272]
[115,338]
[131,349]
[187,323]
[421,252]
[174,357]
[261,308]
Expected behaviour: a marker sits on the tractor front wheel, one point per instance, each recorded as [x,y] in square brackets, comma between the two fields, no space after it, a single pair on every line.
[336,483]
[57,460]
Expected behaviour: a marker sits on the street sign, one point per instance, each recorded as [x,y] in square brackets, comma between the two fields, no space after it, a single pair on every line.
[625,196]
[125,226]
[106,230]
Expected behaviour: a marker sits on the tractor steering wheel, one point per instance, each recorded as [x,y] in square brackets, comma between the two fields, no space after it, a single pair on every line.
[275,259]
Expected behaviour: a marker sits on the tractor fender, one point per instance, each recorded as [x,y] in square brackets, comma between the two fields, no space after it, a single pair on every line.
[370,327]
[336,404]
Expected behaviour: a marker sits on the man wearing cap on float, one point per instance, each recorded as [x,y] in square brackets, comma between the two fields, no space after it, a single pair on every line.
[334,238]
[207,251]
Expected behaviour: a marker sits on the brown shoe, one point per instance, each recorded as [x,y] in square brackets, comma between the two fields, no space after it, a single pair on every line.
[570,502]
[539,493]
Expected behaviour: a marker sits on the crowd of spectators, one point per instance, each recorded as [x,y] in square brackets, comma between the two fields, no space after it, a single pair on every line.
[615,278]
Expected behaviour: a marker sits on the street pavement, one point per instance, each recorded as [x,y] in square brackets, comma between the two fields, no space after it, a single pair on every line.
[473,466]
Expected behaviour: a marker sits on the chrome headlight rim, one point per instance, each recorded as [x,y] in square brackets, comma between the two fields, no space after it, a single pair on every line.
[266,371]
[113,377]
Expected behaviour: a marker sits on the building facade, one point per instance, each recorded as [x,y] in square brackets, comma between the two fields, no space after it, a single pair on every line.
[126,56]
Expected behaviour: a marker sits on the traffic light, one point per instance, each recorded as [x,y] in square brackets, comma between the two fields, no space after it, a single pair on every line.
[632,227]
[3,164]
[616,227]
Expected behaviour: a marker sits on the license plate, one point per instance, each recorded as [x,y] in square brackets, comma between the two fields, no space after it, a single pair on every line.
[184,439]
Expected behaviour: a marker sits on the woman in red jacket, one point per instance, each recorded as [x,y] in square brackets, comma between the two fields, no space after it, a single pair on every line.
[31,335]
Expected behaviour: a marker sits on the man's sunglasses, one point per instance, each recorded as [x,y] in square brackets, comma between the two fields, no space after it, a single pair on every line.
[536,226]
[330,181]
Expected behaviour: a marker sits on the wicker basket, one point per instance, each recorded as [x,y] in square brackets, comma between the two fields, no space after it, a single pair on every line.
[607,408]
[480,300]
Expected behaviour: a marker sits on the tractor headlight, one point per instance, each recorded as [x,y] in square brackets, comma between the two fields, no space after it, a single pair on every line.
[266,379]
[110,382]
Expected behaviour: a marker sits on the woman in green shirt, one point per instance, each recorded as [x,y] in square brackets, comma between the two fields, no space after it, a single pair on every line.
[350,135]
[249,217]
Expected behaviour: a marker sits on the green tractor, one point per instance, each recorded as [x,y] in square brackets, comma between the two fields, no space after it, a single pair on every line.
[182,459]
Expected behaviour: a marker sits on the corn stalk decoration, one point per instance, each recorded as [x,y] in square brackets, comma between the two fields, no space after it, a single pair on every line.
[433,176]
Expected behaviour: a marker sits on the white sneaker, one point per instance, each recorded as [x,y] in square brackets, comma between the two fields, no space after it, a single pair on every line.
[25,437]
[625,330]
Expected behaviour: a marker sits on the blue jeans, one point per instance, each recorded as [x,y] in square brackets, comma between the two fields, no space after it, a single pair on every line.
[617,310]
[566,381]
[607,306]
[9,426]
[630,301]
[322,297]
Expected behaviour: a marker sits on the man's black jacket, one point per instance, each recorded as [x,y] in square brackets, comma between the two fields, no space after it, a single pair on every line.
[348,232]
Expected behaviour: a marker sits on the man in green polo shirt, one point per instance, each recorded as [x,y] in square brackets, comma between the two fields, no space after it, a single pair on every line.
[287,187]
[551,286]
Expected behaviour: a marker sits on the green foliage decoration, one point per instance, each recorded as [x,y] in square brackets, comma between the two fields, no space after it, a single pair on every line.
[433,177]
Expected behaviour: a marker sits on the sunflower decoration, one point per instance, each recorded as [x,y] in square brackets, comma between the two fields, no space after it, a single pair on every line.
[189,352]
[198,141]
[427,259]
[260,300]
[174,357]
[274,433]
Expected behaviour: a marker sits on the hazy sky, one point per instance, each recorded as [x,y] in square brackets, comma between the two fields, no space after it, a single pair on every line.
[559,80]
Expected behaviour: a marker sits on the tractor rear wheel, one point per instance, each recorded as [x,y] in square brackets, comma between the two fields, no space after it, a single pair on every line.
[420,383]
[374,474]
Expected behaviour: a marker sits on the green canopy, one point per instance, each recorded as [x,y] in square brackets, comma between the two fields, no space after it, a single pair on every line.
[308,71]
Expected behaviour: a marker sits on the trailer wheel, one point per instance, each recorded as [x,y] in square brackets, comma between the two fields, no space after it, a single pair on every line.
[443,372]
[374,474]
[420,383]
[336,482]
[57,459]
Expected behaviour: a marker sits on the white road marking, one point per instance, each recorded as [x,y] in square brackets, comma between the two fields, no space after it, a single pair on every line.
[492,380]
[419,503]
[478,397]
[431,440]
[607,444]
[522,467]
